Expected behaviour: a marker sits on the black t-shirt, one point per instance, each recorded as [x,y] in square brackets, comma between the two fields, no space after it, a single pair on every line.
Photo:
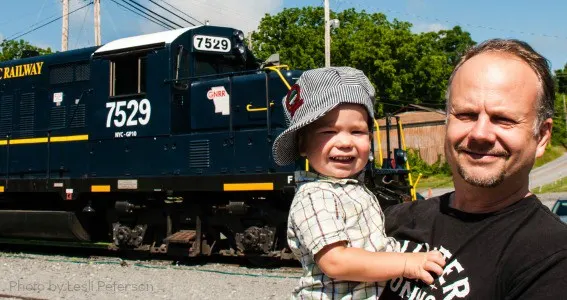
[519,252]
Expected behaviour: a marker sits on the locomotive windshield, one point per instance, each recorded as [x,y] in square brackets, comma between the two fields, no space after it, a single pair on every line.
[213,63]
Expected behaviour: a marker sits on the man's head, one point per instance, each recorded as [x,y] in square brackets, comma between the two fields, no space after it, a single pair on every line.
[521,50]
[499,109]
[329,110]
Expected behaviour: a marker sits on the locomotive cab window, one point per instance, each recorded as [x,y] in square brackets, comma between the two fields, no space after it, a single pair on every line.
[128,76]
[210,64]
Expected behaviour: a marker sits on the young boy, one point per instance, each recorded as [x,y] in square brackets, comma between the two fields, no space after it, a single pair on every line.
[335,225]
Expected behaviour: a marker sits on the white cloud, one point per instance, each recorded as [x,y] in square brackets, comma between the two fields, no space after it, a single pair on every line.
[243,14]
[428,27]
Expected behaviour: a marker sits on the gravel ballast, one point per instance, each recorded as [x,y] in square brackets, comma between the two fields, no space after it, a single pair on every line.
[59,277]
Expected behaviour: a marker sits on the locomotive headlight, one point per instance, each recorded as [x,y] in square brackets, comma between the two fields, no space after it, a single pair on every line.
[241,49]
[239,35]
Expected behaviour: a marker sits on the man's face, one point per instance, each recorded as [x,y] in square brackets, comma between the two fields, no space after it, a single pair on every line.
[490,136]
[338,144]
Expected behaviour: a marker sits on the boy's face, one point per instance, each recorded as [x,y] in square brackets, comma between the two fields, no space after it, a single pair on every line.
[338,144]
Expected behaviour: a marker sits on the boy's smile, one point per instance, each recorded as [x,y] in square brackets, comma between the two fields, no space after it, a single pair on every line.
[338,144]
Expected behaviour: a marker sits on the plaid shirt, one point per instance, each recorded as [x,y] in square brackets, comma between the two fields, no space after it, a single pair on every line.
[325,211]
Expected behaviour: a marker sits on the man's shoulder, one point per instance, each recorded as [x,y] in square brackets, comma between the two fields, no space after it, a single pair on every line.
[545,227]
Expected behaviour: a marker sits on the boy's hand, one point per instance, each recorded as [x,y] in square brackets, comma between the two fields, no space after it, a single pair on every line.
[418,265]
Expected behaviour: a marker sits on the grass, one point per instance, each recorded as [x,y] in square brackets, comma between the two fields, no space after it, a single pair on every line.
[551,153]
[559,185]
[435,181]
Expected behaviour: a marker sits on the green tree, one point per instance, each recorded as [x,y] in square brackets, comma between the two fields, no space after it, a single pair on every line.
[561,80]
[11,49]
[403,66]
[559,135]
[295,34]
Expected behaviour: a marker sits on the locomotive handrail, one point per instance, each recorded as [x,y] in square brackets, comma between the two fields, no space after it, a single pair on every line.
[377,138]
[278,67]
[229,74]
[413,185]
[277,70]
[250,109]
[209,76]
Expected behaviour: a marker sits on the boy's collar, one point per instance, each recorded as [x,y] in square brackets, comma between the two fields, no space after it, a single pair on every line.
[307,176]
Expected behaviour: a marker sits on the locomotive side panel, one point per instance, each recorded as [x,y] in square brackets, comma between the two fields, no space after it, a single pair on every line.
[133,101]
[41,110]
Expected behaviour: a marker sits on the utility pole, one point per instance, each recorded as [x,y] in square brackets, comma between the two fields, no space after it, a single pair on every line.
[565,110]
[65,27]
[250,40]
[327,36]
[97,22]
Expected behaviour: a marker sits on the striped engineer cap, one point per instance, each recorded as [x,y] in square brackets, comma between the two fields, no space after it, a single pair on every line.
[316,93]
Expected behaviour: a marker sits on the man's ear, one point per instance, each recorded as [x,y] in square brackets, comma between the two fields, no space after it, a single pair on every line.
[544,136]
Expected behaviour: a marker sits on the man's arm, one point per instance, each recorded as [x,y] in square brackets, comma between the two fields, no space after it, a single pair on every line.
[355,264]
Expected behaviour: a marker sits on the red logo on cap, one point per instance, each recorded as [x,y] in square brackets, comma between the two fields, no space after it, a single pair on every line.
[293,99]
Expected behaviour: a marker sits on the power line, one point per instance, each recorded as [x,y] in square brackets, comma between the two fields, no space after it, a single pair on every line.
[153,20]
[146,15]
[34,24]
[182,12]
[103,7]
[152,1]
[82,25]
[40,11]
[36,28]
[152,12]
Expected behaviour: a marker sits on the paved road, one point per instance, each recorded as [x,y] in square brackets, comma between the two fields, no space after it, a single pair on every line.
[549,172]
[540,176]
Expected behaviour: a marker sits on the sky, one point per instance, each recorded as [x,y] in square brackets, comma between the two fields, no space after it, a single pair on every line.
[543,27]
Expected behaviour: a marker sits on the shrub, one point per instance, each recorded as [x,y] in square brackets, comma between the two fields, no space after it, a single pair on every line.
[418,165]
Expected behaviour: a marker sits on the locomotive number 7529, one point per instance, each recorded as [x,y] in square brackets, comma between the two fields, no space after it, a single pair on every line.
[129,113]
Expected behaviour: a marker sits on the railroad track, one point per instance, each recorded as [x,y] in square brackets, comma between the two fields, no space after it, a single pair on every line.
[104,251]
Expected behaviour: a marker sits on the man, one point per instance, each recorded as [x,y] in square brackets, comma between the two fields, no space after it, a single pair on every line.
[498,240]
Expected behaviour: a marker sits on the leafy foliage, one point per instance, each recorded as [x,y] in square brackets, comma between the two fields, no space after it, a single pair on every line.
[559,135]
[561,80]
[403,66]
[418,165]
[11,49]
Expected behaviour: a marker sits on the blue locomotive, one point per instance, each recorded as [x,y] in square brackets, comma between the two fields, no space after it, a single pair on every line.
[159,142]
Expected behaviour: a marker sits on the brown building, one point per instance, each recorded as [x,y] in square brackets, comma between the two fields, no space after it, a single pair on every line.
[423,130]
